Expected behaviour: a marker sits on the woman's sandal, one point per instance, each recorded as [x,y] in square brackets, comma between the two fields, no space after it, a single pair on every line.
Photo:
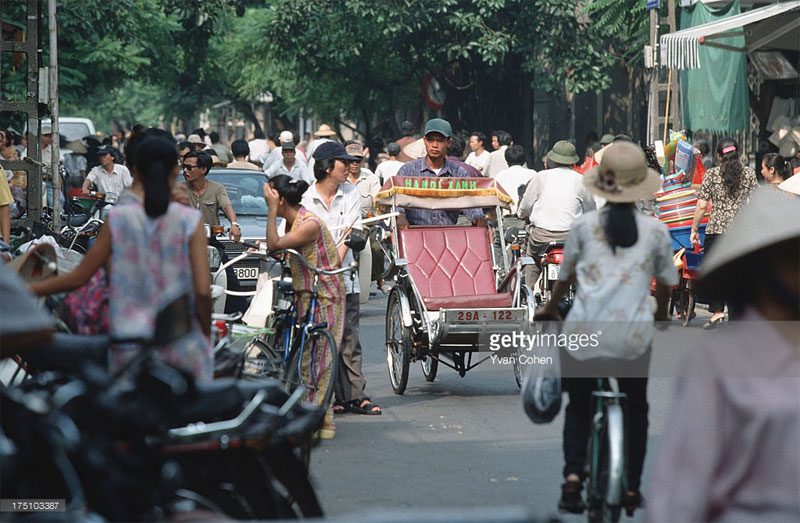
[341,408]
[711,324]
[366,407]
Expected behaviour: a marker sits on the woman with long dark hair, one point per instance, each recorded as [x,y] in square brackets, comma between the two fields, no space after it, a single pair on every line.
[612,254]
[307,233]
[727,186]
[157,254]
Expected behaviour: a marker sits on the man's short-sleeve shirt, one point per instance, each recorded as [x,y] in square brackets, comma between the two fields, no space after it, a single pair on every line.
[211,202]
[420,167]
[344,212]
[116,182]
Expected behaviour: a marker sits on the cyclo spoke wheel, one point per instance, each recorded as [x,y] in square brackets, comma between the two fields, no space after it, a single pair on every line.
[606,481]
[317,370]
[398,344]
[430,367]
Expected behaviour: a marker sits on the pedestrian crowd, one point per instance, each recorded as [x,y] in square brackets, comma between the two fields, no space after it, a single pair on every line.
[616,254]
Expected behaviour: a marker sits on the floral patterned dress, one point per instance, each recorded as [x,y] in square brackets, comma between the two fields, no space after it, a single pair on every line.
[321,253]
[150,268]
[725,203]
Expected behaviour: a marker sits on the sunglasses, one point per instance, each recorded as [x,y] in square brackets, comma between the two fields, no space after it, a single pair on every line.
[189,167]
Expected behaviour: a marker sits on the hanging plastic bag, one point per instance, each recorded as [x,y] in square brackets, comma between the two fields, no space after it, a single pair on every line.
[541,389]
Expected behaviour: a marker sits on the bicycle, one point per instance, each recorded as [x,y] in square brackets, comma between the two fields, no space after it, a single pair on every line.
[298,350]
[606,478]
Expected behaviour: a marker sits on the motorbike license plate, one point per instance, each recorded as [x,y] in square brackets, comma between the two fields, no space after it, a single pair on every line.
[482,315]
[246,273]
[552,271]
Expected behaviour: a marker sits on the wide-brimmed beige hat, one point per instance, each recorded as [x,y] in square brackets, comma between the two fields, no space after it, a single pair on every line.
[324,131]
[195,138]
[415,149]
[748,233]
[623,175]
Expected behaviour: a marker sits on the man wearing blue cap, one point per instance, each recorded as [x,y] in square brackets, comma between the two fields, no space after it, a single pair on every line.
[433,164]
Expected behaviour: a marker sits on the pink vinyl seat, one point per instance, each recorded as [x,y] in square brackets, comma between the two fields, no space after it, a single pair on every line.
[452,267]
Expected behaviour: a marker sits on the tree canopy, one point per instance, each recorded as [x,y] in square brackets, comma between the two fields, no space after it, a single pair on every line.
[356,60]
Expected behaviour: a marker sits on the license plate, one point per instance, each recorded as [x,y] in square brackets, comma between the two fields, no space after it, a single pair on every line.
[483,315]
[552,271]
[246,273]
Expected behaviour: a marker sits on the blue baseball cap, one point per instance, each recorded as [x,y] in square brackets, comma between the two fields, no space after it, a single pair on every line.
[329,150]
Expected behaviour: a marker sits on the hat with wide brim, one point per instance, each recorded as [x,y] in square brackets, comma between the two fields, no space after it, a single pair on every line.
[623,175]
[324,131]
[195,138]
[748,234]
[415,149]
[76,146]
[791,185]
[563,152]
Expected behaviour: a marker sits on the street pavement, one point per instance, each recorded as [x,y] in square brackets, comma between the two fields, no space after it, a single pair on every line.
[459,442]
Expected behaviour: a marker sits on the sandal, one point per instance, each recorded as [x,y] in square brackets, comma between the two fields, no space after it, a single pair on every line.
[711,324]
[632,500]
[340,408]
[366,407]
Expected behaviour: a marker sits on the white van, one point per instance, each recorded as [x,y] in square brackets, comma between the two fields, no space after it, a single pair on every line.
[73,128]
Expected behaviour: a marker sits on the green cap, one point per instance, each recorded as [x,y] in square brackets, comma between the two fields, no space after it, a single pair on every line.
[606,139]
[437,125]
[564,153]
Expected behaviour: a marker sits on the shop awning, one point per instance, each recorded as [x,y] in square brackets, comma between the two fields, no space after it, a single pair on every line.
[775,26]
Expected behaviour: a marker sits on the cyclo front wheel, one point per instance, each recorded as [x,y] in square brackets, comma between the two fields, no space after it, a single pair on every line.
[314,366]
[607,474]
[398,344]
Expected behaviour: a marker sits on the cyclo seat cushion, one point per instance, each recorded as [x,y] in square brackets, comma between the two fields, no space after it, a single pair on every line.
[452,267]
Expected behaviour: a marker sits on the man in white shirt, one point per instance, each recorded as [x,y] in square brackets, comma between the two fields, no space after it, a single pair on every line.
[258,146]
[553,199]
[290,164]
[514,179]
[479,157]
[337,202]
[497,158]
[388,168]
[109,177]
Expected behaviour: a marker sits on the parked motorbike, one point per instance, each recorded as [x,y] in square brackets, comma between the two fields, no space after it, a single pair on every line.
[149,442]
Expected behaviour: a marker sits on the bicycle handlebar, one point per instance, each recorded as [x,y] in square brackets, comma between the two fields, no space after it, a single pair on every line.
[316,270]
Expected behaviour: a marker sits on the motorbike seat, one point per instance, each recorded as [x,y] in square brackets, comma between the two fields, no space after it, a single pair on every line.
[555,245]
[225,398]
[69,353]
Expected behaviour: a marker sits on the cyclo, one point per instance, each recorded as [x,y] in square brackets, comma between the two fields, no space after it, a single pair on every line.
[452,295]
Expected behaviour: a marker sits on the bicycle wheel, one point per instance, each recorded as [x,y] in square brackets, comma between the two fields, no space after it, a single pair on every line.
[606,477]
[262,360]
[430,367]
[317,370]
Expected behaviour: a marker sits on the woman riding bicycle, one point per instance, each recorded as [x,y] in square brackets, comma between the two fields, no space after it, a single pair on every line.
[309,235]
[612,253]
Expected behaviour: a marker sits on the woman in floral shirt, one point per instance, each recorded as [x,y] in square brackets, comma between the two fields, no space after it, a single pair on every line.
[728,186]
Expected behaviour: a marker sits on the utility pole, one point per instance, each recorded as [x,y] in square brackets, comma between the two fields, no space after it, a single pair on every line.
[663,103]
[55,157]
